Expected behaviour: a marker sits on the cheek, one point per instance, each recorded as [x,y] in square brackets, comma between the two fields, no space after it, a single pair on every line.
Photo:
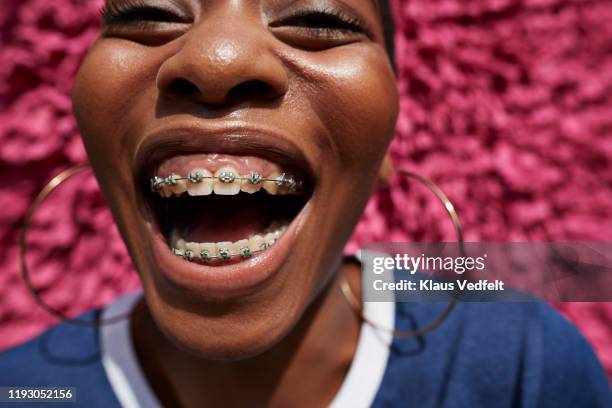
[356,96]
[109,104]
[108,96]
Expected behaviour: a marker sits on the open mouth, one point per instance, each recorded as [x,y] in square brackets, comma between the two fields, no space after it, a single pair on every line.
[216,209]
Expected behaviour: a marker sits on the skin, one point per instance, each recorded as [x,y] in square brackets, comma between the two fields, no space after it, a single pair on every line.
[330,93]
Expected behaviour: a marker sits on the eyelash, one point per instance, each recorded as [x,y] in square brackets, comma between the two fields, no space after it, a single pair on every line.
[321,21]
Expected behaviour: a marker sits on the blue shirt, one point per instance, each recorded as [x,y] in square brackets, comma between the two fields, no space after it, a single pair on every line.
[484,355]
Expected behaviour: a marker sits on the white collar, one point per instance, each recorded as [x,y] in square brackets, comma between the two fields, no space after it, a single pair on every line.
[133,391]
[119,357]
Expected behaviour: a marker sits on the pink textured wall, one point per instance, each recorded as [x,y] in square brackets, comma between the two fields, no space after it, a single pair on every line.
[506,104]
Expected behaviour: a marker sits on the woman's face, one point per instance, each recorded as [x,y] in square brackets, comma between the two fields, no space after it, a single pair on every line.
[222,88]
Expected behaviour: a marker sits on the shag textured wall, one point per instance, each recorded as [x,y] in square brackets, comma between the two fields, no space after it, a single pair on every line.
[505,103]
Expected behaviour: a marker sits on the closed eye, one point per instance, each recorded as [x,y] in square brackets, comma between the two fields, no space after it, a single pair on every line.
[137,13]
[326,20]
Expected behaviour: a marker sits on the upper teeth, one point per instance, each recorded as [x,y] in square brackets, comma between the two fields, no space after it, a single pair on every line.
[226,181]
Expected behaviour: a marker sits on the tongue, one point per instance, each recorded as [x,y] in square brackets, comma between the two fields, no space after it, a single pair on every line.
[218,228]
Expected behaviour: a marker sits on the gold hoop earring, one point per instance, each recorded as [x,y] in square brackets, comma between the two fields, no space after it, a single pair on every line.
[356,304]
[25,274]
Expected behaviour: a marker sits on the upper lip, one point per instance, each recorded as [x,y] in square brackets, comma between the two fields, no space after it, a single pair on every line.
[238,140]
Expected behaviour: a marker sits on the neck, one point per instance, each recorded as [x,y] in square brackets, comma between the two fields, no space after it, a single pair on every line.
[306,368]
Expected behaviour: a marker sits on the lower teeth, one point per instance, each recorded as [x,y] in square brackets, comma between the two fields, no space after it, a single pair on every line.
[224,251]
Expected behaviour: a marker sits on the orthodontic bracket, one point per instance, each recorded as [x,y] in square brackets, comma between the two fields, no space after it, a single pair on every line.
[172,179]
[255,178]
[195,176]
[227,177]
[156,183]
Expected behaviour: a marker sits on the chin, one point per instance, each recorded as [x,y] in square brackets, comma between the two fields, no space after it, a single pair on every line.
[226,339]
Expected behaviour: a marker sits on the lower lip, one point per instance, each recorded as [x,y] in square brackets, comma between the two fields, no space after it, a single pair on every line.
[223,282]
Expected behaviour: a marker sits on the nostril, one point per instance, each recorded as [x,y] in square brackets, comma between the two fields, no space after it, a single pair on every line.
[251,89]
[182,87]
[246,90]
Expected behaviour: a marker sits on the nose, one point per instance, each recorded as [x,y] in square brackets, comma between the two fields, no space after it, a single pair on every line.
[218,65]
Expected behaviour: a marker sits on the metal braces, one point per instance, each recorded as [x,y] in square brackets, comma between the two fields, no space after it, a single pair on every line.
[224,253]
[254,178]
